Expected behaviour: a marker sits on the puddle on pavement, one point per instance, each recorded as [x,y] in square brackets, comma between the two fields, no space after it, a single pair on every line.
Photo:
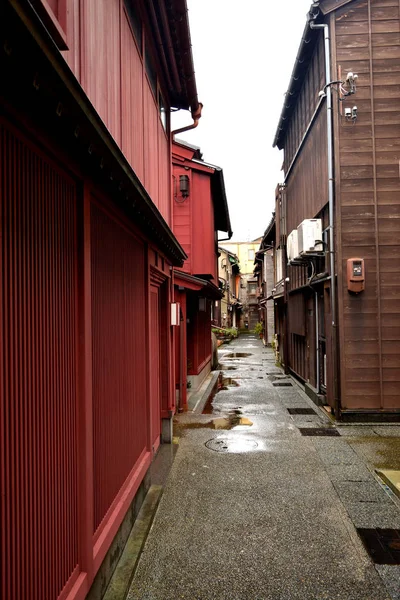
[380,452]
[238,355]
[234,446]
[226,368]
[227,423]
[228,382]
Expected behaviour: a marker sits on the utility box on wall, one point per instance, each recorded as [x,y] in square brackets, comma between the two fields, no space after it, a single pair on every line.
[355,275]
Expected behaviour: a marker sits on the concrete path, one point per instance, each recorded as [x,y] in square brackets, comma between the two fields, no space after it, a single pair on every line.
[260,511]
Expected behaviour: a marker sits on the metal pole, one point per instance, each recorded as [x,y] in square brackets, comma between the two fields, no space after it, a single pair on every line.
[329,115]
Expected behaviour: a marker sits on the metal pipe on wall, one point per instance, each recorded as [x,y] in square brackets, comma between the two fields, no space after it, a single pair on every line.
[317,341]
[329,115]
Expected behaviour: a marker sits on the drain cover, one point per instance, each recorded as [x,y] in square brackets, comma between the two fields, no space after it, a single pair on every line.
[301,411]
[383,545]
[319,431]
[219,445]
[282,384]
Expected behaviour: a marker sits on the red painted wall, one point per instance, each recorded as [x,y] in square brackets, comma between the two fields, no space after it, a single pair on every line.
[198,335]
[203,235]
[132,99]
[193,218]
[38,370]
[119,363]
[182,216]
[109,65]
[75,426]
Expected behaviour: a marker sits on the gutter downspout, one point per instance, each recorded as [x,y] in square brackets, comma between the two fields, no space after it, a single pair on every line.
[329,115]
[226,239]
[196,116]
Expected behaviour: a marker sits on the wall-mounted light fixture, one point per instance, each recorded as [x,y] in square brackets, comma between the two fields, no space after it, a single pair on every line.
[184,185]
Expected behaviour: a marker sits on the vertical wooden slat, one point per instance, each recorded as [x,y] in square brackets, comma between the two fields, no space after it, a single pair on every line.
[38,400]
[119,363]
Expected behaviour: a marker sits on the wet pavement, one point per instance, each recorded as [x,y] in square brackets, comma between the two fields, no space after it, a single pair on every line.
[255,509]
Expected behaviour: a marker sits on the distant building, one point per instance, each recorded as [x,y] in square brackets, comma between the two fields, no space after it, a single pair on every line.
[265,272]
[200,210]
[229,277]
[246,252]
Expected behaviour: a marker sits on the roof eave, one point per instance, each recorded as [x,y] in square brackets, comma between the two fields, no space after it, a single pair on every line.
[308,36]
[221,210]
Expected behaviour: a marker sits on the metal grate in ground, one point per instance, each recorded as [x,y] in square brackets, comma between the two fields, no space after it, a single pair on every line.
[383,545]
[319,431]
[301,411]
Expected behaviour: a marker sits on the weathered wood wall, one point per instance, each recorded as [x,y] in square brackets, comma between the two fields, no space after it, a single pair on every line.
[367,42]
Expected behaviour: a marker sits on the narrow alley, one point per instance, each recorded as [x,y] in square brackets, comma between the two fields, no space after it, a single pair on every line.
[254,508]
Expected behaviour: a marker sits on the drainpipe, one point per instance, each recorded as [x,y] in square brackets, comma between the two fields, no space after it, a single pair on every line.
[329,114]
[196,116]
[317,341]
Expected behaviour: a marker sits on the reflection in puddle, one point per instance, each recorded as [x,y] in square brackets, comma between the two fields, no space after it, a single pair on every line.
[228,381]
[233,419]
[237,355]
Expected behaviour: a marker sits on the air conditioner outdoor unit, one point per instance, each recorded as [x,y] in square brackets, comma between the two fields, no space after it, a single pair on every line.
[308,233]
[292,245]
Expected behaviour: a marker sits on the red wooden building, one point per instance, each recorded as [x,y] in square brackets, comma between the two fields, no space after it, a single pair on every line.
[200,210]
[87,255]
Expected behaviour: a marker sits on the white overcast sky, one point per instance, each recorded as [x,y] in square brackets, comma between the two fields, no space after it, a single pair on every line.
[243,54]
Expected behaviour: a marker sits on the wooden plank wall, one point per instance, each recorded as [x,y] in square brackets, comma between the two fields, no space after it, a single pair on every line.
[108,63]
[204,260]
[367,34]
[306,103]
[307,185]
[182,216]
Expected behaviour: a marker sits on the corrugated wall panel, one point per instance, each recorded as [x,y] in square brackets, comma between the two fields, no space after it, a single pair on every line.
[39,514]
[119,359]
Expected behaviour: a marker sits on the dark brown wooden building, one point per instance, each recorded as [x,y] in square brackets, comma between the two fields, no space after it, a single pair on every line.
[340,132]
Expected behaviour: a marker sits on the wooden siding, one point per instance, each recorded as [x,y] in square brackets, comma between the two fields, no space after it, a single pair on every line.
[182,217]
[204,260]
[38,394]
[132,100]
[107,62]
[101,65]
[367,35]
[306,103]
[150,144]
[306,188]
[119,363]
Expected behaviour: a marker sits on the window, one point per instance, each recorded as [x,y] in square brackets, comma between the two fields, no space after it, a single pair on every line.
[53,13]
[251,254]
[151,73]
[135,21]
[162,111]
[252,289]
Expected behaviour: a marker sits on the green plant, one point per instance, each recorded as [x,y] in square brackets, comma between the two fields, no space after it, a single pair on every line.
[258,329]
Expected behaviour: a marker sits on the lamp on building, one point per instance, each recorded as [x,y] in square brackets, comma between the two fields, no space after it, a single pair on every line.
[184,185]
